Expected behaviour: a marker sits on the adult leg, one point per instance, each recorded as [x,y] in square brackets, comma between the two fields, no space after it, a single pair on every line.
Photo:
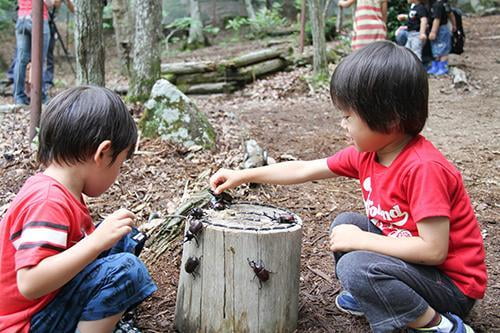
[23,44]
[46,41]
[393,293]
[48,74]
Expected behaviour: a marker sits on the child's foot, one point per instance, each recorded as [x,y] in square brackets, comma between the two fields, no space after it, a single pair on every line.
[345,302]
[450,323]
[126,326]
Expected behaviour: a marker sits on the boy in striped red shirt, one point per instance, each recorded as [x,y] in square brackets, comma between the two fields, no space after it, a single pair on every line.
[59,273]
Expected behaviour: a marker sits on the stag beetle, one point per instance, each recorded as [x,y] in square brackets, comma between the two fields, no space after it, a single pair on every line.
[260,271]
[282,218]
[195,227]
[220,201]
[191,265]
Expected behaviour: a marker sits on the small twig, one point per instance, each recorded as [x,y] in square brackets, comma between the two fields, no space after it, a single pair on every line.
[321,274]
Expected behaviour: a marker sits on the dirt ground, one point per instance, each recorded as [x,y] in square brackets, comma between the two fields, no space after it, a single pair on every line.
[287,119]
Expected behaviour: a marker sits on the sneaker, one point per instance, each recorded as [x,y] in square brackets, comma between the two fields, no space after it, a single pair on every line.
[458,326]
[433,68]
[442,68]
[345,302]
[126,326]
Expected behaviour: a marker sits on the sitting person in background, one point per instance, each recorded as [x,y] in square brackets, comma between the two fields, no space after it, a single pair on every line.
[416,27]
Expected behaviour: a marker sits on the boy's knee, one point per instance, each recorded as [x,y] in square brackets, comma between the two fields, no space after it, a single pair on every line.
[353,267]
[127,267]
[345,218]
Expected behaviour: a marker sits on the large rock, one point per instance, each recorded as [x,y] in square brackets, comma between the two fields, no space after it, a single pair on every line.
[174,117]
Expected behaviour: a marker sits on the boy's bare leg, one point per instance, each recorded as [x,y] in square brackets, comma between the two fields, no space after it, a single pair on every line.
[105,325]
[423,319]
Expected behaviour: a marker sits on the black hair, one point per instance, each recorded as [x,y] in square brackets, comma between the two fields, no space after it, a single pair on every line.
[386,85]
[78,120]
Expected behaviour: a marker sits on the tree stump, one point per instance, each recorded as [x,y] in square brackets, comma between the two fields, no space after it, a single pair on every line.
[243,275]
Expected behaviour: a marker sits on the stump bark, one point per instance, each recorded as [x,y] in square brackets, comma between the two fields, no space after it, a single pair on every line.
[224,293]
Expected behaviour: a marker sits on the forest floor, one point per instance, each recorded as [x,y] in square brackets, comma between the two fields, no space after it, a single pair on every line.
[288,119]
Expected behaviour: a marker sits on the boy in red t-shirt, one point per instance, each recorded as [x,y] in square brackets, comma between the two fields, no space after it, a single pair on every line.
[59,272]
[416,259]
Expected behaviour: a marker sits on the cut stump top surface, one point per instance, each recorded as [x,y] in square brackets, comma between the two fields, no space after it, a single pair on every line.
[251,217]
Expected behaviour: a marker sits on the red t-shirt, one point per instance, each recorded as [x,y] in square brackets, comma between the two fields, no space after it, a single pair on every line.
[420,183]
[43,220]
[25,9]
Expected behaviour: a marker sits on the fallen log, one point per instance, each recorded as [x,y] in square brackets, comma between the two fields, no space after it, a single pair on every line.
[257,56]
[262,68]
[188,67]
[209,88]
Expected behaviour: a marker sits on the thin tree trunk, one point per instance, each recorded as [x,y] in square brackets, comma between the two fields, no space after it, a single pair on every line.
[196,29]
[250,11]
[123,33]
[89,43]
[320,64]
[146,49]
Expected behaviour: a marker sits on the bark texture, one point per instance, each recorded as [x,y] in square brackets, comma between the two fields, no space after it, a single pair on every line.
[122,20]
[89,43]
[146,50]
[320,64]
[196,28]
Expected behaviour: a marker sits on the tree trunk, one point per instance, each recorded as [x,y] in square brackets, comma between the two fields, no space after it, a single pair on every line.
[289,10]
[219,290]
[123,33]
[320,64]
[196,28]
[250,11]
[89,43]
[146,49]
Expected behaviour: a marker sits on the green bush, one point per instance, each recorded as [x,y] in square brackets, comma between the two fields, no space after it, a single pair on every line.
[395,7]
[7,13]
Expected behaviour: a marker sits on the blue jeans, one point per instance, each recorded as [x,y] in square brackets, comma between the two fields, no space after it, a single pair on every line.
[391,291]
[23,45]
[48,73]
[115,282]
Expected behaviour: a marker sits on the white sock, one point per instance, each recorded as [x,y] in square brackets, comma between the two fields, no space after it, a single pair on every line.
[445,325]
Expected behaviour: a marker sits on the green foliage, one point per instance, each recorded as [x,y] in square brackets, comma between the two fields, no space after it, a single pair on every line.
[237,23]
[330,29]
[396,7]
[7,13]
[182,23]
[211,30]
[267,20]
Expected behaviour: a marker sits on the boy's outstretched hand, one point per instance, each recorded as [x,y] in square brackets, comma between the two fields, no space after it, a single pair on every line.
[346,237]
[226,179]
[113,228]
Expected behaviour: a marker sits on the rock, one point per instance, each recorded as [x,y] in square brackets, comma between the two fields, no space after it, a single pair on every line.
[172,116]
[255,156]
[459,77]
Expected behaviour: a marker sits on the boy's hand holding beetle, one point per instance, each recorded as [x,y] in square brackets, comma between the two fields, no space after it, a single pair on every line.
[113,228]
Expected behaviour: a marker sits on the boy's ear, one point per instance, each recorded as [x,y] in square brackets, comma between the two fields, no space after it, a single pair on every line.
[103,148]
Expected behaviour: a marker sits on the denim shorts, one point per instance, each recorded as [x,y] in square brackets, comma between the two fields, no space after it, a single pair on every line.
[441,46]
[115,282]
[414,43]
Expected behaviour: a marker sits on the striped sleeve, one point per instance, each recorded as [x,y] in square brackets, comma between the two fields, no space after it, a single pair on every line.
[43,233]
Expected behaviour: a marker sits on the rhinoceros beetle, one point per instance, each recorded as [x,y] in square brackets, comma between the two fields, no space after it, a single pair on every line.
[191,265]
[220,201]
[260,271]
[282,218]
[195,227]
[196,213]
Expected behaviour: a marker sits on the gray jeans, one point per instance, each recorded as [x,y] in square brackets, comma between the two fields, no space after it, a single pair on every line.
[414,43]
[390,291]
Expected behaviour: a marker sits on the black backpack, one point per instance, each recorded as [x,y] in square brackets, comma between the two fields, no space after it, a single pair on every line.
[458,38]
